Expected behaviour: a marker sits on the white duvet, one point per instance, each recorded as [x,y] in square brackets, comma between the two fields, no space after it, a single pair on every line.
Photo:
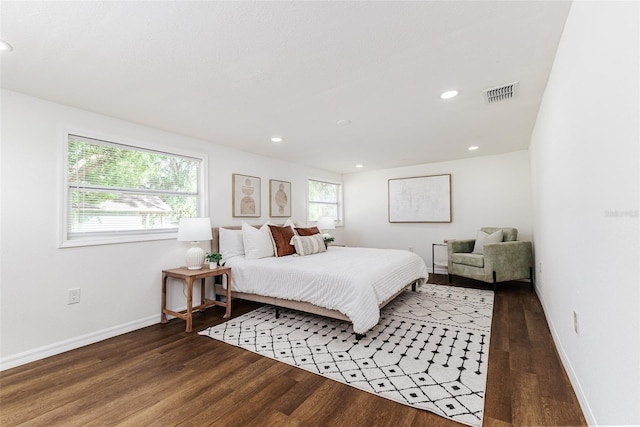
[353,281]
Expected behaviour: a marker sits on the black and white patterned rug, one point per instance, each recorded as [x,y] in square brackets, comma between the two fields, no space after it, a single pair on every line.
[429,350]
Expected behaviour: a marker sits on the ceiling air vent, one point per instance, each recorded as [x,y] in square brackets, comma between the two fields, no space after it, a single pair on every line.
[501,93]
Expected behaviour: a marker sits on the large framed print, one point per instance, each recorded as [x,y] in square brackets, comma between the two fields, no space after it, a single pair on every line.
[279,198]
[420,199]
[246,196]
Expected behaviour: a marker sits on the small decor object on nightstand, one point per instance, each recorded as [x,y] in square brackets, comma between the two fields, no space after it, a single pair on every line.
[328,239]
[213,258]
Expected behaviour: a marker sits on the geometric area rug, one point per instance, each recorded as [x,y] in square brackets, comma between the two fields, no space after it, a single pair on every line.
[429,350]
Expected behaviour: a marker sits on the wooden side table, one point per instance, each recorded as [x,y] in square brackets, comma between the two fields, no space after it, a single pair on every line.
[189,276]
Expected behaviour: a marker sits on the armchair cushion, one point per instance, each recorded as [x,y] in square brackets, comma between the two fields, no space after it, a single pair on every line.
[475,260]
[509,234]
[483,237]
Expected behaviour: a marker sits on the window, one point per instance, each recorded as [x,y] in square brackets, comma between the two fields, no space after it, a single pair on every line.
[324,199]
[122,193]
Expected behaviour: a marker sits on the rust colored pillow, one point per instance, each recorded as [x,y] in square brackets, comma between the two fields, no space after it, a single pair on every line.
[307,231]
[281,237]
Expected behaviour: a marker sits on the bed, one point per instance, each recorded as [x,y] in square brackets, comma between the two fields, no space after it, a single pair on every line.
[345,283]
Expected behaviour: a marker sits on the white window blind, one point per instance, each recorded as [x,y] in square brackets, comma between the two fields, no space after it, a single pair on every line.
[120,190]
[323,199]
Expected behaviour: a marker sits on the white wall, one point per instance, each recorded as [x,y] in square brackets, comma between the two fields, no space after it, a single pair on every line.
[120,283]
[485,191]
[585,179]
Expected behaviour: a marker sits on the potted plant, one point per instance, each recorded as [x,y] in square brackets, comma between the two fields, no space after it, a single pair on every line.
[213,258]
[328,239]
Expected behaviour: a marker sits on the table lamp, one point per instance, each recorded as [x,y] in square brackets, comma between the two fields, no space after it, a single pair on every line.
[326,223]
[194,230]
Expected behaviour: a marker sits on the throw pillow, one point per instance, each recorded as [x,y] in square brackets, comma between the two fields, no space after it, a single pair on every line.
[307,245]
[290,223]
[293,223]
[257,243]
[483,238]
[281,236]
[307,231]
[230,243]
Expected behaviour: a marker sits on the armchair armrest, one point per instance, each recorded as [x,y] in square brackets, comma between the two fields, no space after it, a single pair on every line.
[510,260]
[453,246]
[465,246]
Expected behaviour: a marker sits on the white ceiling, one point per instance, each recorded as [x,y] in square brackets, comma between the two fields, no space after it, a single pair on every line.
[238,73]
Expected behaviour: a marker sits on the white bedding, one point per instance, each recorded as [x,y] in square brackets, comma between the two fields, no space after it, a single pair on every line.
[353,281]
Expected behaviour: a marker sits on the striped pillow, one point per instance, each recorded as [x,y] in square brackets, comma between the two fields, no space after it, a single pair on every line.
[307,245]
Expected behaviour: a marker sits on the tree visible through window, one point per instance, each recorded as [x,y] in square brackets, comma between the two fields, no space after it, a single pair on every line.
[323,200]
[116,190]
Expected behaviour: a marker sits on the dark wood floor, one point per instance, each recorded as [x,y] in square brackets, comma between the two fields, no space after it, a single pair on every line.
[162,376]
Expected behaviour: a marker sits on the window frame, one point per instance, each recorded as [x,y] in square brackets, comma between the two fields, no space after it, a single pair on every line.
[340,202]
[124,236]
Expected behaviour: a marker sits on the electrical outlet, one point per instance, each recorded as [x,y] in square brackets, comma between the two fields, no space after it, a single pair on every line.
[73,296]
[575,322]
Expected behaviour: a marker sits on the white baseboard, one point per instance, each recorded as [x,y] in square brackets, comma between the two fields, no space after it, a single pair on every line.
[577,388]
[439,270]
[73,343]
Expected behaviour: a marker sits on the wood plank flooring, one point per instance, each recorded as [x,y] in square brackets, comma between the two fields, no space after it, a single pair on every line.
[162,376]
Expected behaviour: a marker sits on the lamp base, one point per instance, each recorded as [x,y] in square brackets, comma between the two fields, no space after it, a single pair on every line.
[195,258]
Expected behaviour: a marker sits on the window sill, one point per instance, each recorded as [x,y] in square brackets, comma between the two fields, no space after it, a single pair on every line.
[113,240]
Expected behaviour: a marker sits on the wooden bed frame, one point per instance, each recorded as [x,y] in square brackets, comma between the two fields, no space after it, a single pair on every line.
[295,305]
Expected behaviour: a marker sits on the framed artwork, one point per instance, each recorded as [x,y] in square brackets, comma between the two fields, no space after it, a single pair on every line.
[420,199]
[279,198]
[246,196]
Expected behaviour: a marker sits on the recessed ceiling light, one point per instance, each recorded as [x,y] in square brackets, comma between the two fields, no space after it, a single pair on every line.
[277,139]
[5,47]
[473,148]
[359,166]
[449,94]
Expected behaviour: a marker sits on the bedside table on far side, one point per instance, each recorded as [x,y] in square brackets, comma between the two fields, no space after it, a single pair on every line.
[189,276]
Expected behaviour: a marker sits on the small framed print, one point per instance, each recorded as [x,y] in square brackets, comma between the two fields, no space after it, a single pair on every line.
[279,198]
[246,196]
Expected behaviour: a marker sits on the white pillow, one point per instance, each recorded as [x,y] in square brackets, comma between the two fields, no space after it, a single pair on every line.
[291,222]
[483,238]
[257,243]
[230,243]
[307,245]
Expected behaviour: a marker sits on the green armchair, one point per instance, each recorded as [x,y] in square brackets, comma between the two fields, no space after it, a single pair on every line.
[498,257]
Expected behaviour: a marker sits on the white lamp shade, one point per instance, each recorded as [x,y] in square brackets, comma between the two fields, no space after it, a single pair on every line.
[326,223]
[194,229]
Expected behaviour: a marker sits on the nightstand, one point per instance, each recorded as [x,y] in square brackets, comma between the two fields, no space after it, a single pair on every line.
[433,256]
[189,276]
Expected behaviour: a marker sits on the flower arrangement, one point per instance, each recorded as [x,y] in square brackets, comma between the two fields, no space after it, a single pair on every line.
[328,238]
